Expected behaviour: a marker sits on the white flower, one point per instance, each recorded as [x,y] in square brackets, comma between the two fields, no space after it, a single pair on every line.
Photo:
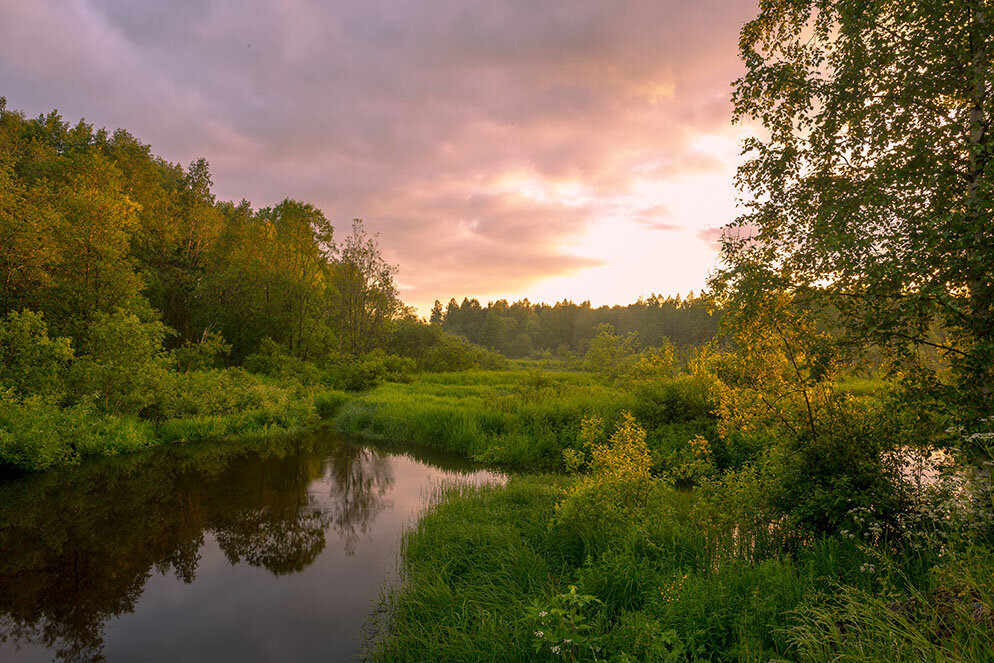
[539,634]
[542,614]
[555,649]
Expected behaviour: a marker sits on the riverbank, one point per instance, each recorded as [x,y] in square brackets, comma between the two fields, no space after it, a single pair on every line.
[39,434]
[676,542]
[168,554]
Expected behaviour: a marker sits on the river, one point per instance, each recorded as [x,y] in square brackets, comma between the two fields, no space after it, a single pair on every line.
[271,551]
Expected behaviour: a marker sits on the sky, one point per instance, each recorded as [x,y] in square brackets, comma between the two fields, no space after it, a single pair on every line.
[549,149]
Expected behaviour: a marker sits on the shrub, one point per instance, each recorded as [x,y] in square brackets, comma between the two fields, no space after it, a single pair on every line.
[273,360]
[122,365]
[36,435]
[366,372]
[678,399]
[31,363]
[607,502]
[210,352]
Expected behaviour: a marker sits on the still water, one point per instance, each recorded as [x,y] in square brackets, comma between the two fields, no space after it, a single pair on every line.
[275,551]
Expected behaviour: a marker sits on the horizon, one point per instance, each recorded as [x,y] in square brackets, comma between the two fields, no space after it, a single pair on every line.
[501,152]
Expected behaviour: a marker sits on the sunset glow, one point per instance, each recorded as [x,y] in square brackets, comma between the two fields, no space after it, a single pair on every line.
[556,150]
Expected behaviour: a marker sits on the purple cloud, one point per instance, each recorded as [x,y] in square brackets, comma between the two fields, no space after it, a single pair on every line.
[451,126]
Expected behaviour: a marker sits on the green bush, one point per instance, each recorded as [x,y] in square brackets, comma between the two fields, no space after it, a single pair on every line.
[219,393]
[678,399]
[32,363]
[122,365]
[36,435]
[363,373]
[210,352]
[273,360]
[452,353]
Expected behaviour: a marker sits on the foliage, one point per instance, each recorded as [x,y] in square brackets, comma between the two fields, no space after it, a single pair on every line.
[31,363]
[605,501]
[37,435]
[816,451]
[609,353]
[274,360]
[872,188]
[561,626]
[121,362]
[367,297]
[373,368]
[209,352]
[523,329]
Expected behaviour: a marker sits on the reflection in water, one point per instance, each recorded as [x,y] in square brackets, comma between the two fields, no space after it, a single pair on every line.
[78,547]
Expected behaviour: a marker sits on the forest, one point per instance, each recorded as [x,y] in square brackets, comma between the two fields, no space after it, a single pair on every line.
[793,465]
[138,309]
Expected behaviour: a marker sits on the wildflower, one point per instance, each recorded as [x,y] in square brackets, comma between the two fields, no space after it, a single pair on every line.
[555,649]
[542,614]
[539,634]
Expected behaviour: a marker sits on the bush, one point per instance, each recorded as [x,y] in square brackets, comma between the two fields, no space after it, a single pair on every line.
[31,363]
[273,360]
[218,393]
[122,365]
[452,353]
[605,504]
[366,372]
[678,399]
[210,352]
[35,435]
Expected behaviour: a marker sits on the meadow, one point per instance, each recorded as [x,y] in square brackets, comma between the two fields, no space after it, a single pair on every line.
[638,527]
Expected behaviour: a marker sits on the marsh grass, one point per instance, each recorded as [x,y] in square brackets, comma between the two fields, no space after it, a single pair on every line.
[485,558]
[664,573]
[518,419]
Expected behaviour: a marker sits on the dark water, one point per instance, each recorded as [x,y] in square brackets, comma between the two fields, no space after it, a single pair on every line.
[274,551]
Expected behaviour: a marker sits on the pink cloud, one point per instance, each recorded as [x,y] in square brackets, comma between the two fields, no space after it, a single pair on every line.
[410,115]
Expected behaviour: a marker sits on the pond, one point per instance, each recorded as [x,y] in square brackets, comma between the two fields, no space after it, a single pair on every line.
[271,551]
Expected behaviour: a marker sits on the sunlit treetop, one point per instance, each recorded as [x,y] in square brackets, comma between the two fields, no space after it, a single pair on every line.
[870,185]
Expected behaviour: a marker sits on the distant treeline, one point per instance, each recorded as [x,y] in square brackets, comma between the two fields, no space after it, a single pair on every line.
[93,224]
[522,329]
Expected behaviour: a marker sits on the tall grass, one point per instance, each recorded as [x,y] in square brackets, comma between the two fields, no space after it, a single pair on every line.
[517,419]
[484,561]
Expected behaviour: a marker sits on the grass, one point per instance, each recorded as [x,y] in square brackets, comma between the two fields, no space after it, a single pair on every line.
[674,578]
[485,562]
[37,435]
[517,419]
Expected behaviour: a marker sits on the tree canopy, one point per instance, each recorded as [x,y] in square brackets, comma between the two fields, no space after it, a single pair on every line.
[869,188]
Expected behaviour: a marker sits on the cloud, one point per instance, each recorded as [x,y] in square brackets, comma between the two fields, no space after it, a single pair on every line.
[480,138]
[712,236]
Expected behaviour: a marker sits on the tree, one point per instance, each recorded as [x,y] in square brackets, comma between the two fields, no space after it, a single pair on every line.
[92,270]
[872,192]
[31,363]
[269,275]
[25,255]
[437,316]
[122,364]
[367,295]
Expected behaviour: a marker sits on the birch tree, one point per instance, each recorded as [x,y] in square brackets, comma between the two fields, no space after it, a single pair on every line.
[869,188]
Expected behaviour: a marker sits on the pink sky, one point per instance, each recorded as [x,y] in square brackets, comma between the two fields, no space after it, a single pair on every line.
[549,150]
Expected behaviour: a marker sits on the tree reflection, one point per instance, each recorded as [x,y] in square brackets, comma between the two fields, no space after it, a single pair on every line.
[78,546]
[361,478]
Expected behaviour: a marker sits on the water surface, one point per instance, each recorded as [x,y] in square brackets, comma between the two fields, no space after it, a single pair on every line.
[271,551]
